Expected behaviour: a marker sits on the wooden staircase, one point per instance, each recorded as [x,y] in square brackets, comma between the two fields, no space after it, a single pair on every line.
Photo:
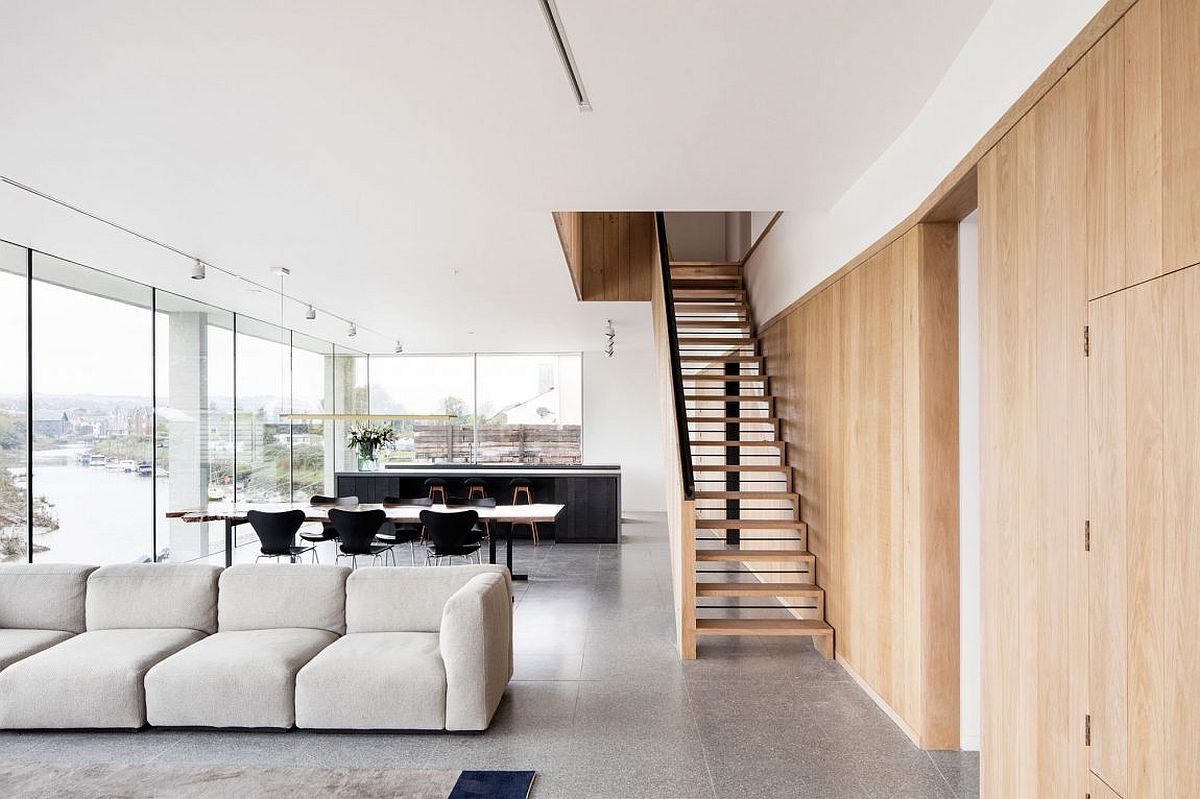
[754,573]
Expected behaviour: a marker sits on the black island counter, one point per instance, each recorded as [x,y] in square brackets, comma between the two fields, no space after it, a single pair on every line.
[591,494]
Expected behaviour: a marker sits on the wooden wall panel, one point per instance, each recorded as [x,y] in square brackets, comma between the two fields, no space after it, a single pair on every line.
[1181,539]
[866,374]
[1033,295]
[611,255]
[1143,142]
[1181,132]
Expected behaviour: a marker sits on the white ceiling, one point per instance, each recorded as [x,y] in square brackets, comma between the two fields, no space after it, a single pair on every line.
[402,157]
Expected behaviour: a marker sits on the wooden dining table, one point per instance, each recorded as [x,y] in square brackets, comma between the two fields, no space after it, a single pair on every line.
[234,513]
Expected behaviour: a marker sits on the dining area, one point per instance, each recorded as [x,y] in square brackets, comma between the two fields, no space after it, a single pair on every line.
[430,530]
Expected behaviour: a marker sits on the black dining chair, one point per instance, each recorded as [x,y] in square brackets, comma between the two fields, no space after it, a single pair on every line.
[357,530]
[483,528]
[326,533]
[404,532]
[451,534]
[276,533]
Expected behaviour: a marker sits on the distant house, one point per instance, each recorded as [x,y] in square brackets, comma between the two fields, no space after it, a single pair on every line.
[51,424]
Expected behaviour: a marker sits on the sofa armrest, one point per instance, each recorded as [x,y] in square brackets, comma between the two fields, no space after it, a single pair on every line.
[476,646]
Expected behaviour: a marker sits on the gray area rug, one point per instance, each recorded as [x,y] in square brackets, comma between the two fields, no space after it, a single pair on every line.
[129,780]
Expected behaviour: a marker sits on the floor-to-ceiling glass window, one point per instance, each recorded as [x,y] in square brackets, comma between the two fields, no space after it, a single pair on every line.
[193,352]
[262,385]
[530,408]
[92,416]
[427,384]
[14,406]
[312,392]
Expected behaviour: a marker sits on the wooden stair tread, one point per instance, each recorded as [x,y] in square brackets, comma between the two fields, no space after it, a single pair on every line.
[762,627]
[732,444]
[691,306]
[748,524]
[704,263]
[745,467]
[767,398]
[771,495]
[771,420]
[722,358]
[716,341]
[758,589]
[698,378]
[746,555]
[719,324]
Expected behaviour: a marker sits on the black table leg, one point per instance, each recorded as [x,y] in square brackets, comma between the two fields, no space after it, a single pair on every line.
[229,542]
[508,555]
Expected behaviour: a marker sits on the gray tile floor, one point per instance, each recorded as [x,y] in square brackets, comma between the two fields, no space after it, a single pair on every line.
[601,706]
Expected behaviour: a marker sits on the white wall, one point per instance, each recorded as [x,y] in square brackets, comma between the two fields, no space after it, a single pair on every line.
[621,421]
[969,480]
[1014,42]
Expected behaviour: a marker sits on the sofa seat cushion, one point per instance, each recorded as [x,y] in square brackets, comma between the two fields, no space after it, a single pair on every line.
[18,644]
[240,678]
[89,680]
[392,681]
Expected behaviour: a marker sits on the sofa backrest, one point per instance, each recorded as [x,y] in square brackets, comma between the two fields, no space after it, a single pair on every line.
[271,596]
[43,596]
[397,599]
[153,596]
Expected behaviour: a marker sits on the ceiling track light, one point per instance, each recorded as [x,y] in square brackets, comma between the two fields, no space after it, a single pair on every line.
[199,271]
[311,313]
[611,335]
[280,271]
[399,348]
[353,330]
[554,20]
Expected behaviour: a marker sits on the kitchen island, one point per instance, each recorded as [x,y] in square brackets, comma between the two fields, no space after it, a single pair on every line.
[591,493]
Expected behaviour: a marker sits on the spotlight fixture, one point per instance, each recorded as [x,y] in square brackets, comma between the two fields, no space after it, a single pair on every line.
[353,330]
[280,271]
[311,313]
[399,347]
[611,335]
[199,270]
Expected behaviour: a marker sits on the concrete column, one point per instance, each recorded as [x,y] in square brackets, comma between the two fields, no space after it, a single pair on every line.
[187,425]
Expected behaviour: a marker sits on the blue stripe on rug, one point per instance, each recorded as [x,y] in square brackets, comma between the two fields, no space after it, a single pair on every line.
[493,785]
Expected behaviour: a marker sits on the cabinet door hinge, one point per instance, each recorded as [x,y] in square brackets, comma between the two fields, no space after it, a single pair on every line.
[1087,730]
[1087,536]
[1087,347]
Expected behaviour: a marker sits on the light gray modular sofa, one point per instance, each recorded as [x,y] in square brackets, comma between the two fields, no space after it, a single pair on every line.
[271,620]
[41,604]
[271,645]
[135,615]
[424,649]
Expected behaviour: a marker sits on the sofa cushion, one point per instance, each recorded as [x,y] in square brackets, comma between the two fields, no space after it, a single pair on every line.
[392,681]
[241,678]
[43,596]
[147,596]
[18,644]
[406,599]
[283,596]
[90,680]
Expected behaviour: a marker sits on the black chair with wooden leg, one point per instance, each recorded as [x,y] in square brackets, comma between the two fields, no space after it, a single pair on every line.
[523,495]
[277,534]
[326,533]
[404,532]
[357,530]
[451,535]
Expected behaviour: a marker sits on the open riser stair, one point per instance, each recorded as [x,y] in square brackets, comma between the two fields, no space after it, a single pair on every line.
[754,573]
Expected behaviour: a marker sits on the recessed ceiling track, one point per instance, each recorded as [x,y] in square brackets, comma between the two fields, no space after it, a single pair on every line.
[550,10]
